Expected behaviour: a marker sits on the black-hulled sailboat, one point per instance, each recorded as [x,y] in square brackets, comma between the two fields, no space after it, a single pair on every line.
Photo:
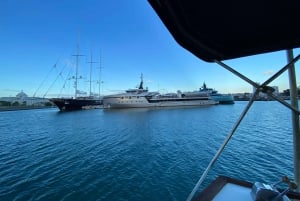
[79,102]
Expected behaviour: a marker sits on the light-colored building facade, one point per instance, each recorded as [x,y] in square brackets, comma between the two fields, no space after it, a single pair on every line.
[23,99]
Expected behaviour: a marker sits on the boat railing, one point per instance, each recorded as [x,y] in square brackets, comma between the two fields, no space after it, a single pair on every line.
[263,88]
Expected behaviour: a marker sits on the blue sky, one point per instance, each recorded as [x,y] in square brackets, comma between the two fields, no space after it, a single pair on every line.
[129,36]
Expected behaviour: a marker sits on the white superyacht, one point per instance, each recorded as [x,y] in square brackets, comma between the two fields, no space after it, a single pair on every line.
[142,98]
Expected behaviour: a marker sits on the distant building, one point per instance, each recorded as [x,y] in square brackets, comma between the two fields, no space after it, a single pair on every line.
[242,96]
[22,95]
[22,99]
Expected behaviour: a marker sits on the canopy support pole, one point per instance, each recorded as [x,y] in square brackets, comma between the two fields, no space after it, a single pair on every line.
[264,88]
[264,85]
[295,118]
[210,165]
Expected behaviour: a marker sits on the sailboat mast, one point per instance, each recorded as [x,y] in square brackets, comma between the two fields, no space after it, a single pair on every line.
[295,118]
[77,55]
[100,68]
[91,68]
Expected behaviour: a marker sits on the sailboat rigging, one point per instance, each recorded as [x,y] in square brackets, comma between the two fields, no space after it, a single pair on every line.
[79,102]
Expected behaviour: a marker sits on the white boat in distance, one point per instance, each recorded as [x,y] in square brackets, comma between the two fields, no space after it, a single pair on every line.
[142,98]
[221,98]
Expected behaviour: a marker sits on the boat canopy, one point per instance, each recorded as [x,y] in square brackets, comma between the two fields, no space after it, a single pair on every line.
[218,30]
[221,30]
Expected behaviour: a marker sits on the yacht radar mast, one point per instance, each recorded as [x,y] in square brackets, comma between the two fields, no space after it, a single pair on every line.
[141,83]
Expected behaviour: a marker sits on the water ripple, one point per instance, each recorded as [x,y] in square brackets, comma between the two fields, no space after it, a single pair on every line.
[146,154]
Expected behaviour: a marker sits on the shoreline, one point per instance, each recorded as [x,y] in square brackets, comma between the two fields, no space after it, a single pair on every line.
[15,108]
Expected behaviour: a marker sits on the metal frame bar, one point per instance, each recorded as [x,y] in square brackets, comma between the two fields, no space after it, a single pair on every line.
[264,85]
[265,89]
[190,197]
[293,106]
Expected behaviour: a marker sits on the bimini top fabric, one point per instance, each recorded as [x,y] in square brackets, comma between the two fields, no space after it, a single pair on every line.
[228,29]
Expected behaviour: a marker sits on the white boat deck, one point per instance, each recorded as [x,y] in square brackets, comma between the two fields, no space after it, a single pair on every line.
[233,192]
[228,189]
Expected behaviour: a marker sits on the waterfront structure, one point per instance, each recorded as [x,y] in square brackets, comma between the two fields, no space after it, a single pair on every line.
[22,99]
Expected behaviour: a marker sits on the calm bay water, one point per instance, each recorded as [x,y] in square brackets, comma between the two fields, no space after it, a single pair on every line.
[138,154]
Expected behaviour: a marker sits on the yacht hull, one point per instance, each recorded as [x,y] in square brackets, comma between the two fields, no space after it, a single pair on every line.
[223,99]
[69,104]
[142,102]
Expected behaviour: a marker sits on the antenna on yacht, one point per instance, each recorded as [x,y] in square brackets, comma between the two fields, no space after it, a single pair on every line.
[141,83]
[204,85]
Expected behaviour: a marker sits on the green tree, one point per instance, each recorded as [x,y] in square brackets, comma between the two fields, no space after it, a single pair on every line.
[48,104]
[5,103]
[16,103]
